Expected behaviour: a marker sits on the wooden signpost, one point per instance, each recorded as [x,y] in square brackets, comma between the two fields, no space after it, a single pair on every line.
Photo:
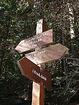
[43,51]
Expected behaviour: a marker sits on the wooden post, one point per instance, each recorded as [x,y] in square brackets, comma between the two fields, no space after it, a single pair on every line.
[38,89]
[41,93]
[36,94]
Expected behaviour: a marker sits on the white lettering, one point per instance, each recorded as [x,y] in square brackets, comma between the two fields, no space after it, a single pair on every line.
[39,75]
[43,77]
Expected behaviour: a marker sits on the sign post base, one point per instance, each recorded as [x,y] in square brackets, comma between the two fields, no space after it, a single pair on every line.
[38,94]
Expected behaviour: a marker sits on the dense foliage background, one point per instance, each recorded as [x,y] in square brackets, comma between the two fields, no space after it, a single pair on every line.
[18,21]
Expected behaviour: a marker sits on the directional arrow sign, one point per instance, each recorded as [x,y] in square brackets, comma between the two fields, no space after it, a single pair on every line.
[30,44]
[51,53]
[33,72]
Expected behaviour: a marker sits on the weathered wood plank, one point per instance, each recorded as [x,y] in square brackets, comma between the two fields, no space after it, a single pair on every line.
[53,52]
[38,40]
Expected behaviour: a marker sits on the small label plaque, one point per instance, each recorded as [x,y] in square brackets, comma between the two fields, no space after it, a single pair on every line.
[33,72]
